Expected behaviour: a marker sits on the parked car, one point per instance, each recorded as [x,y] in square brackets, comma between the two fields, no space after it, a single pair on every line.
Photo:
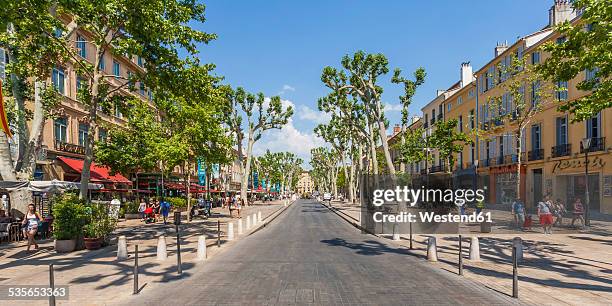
[327,196]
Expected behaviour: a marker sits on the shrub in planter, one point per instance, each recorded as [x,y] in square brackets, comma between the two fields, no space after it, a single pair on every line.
[178,203]
[100,223]
[68,220]
[131,210]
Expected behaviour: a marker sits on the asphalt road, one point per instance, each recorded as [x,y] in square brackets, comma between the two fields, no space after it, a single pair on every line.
[309,255]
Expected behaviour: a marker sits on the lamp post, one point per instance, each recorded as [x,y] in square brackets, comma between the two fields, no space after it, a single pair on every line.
[586,147]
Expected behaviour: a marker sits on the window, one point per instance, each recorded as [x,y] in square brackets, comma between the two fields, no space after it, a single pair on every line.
[130,79]
[535,58]
[472,152]
[116,69]
[80,45]
[593,126]
[58,79]
[102,134]
[433,116]
[150,95]
[60,127]
[535,96]
[591,74]
[142,88]
[561,91]
[83,133]
[459,100]
[448,106]
[472,120]
[561,40]
[139,61]
[102,64]
[561,130]
[118,113]
[536,135]
[2,64]
[471,93]
[460,123]
[58,32]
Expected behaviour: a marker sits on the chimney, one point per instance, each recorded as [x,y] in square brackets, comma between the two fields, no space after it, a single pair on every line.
[396,129]
[439,92]
[561,11]
[500,48]
[466,74]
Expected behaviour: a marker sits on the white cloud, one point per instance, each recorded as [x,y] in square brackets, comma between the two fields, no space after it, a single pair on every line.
[307,113]
[393,108]
[288,139]
[286,88]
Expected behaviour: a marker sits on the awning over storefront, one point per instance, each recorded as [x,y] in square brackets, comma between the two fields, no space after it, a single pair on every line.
[98,173]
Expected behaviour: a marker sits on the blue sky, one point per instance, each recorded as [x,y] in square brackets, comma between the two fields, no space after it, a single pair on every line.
[281,47]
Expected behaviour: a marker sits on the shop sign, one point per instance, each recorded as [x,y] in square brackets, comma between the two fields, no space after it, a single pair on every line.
[577,163]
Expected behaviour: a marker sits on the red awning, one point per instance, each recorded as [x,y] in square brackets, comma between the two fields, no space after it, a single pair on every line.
[97,173]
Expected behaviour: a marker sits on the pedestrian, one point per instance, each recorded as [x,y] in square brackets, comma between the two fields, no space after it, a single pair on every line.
[559,211]
[546,218]
[141,208]
[3,217]
[30,225]
[518,211]
[578,213]
[165,210]
[156,210]
[480,206]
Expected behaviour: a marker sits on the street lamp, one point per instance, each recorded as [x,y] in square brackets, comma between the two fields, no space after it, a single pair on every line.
[586,147]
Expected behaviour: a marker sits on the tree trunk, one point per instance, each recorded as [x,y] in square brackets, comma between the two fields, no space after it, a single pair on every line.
[34,143]
[6,160]
[518,166]
[247,168]
[382,132]
[373,150]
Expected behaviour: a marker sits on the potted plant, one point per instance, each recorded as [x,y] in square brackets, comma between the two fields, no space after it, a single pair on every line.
[131,210]
[100,223]
[69,216]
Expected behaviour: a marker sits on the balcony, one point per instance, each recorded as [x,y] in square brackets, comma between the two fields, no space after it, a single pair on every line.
[68,147]
[432,121]
[537,154]
[510,159]
[423,171]
[495,161]
[483,163]
[561,150]
[435,169]
[597,144]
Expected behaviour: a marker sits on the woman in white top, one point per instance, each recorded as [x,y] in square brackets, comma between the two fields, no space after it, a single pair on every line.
[30,225]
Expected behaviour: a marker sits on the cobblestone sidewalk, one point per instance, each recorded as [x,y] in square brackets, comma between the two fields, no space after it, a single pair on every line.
[569,268]
[98,278]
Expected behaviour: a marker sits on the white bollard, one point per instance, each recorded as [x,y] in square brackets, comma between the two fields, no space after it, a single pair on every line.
[248,223]
[239,226]
[122,252]
[474,249]
[518,243]
[201,248]
[230,231]
[396,236]
[162,252]
[254,218]
[285,203]
[432,251]
[259,217]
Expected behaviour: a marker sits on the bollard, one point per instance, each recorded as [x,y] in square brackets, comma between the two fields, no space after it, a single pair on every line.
[396,236]
[135,269]
[162,251]
[218,233]
[51,285]
[514,272]
[517,242]
[432,252]
[460,257]
[122,248]
[201,247]
[177,222]
[230,231]
[259,217]
[410,225]
[248,223]
[474,249]
[254,218]
[239,226]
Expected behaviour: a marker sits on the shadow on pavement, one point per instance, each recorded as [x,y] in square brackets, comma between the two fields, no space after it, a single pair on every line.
[368,247]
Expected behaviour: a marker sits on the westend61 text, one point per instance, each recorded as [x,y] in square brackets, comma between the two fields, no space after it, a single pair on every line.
[428,217]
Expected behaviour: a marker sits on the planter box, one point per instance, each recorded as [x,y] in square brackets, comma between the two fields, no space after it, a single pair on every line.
[64,246]
[132,216]
[93,243]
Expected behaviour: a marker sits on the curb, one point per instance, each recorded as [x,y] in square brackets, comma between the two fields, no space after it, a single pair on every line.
[271,218]
[349,219]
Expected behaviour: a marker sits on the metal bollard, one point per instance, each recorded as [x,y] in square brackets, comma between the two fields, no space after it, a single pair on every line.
[460,257]
[514,273]
[177,222]
[51,285]
[218,233]
[135,269]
